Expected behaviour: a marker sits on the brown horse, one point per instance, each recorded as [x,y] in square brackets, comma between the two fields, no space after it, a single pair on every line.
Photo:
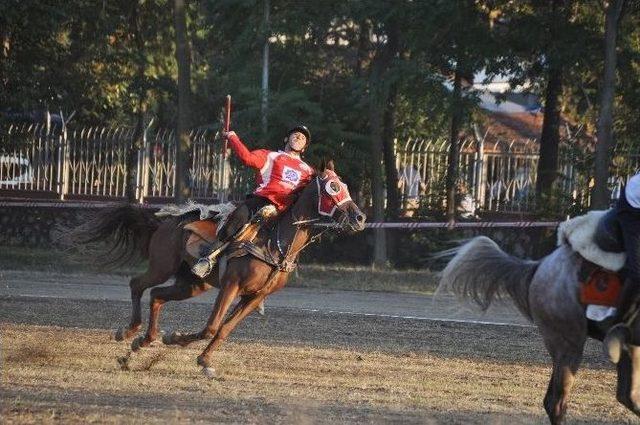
[251,272]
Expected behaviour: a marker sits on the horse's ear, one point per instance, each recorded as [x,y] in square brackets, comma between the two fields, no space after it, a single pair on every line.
[326,164]
[330,165]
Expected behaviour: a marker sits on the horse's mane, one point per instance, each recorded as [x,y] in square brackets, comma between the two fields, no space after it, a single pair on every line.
[266,232]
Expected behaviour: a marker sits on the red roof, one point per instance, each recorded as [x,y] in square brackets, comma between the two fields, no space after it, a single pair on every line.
[524,128]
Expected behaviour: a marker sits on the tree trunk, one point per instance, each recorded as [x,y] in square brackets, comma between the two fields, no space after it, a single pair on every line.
[376,108]
[550,137]
[140,88]
[452,167]
[600,199]
[388,148]
[183,143]
[389,124]
[377,189]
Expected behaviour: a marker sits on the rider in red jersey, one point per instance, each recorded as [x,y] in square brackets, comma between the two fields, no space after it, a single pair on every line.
[279,175]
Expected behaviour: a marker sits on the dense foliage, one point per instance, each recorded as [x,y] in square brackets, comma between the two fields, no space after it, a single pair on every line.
[342,67]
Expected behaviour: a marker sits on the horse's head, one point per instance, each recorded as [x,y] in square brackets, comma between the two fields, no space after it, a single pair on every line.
[328,197]
[334,201]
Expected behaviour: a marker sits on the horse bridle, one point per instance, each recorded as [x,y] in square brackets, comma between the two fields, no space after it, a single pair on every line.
[302,223]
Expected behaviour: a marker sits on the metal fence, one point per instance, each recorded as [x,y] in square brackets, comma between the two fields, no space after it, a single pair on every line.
[501,176]
[40,160]
[37,160]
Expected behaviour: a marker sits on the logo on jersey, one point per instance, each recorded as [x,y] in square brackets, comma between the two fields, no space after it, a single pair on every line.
[290,175]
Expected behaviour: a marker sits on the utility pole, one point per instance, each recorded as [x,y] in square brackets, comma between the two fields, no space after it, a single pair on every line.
[265,70]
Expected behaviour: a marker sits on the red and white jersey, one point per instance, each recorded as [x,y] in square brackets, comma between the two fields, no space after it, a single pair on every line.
[279,174]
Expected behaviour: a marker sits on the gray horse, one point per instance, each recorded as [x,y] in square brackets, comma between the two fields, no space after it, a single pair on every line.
[547,293]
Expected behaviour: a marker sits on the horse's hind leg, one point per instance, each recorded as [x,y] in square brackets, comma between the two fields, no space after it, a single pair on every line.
[181,290]
[628,392]
[138,284]
[165,247]
[566,361]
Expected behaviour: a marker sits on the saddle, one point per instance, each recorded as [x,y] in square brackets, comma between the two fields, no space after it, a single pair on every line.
[203,238]
[597,237]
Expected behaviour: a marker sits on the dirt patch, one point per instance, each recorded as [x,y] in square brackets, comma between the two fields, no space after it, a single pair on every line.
[266,377]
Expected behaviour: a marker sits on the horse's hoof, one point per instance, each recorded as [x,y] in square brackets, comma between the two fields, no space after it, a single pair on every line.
[124,362]
[170,339]
[209,372]
[136,344]
[119,335]
[201,361]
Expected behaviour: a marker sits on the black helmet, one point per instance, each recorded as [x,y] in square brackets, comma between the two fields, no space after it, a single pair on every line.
[302,129]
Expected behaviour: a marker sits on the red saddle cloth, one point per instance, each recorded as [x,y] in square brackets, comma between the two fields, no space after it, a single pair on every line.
[602,287]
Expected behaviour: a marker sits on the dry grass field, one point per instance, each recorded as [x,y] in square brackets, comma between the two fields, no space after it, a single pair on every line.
[53,374]
[58,363]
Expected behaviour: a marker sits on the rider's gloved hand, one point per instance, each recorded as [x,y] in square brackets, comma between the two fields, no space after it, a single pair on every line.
[227,134]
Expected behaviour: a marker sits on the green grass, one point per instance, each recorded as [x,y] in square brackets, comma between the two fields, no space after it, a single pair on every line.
[342,277]
[364,279]
[22,258]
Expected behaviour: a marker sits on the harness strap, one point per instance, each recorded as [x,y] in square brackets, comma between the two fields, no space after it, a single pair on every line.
[243,248]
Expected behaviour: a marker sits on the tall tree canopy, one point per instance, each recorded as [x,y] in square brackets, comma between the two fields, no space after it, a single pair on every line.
[359,73]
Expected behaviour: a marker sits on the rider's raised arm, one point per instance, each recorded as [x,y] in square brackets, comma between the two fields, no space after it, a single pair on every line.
[255,159]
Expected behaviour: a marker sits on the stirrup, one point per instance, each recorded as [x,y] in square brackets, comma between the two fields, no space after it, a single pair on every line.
[203,267]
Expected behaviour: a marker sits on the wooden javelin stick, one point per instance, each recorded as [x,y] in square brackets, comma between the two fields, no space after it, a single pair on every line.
[227,122]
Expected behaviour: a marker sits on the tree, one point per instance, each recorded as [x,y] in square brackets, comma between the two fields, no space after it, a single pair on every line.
[613,12]
[183,141]
[550,137]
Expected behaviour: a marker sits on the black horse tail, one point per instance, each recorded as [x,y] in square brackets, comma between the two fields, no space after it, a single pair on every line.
[124,230]
[481,271]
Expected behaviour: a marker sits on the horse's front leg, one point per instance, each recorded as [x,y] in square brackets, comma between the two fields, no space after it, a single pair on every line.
[224,299]
[159,296]
[242,310]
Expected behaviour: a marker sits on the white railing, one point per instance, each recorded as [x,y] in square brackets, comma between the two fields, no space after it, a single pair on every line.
[37,160]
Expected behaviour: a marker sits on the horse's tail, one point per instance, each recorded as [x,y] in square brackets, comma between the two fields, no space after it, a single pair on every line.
[126,230]
[480,270]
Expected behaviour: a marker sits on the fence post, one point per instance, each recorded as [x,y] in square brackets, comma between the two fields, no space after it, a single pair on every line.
[139,167]
[480,172]
[63,161]
[143,164]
